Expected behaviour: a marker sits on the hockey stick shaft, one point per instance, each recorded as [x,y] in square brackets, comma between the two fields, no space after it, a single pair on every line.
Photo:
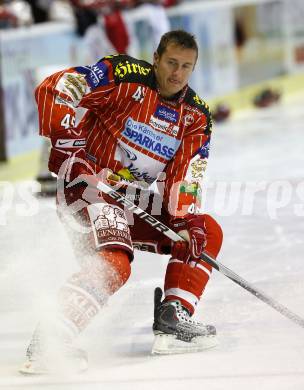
[253,290]
[156,224]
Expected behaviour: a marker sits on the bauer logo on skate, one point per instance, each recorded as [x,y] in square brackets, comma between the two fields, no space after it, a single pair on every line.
[96,75]
[145,136]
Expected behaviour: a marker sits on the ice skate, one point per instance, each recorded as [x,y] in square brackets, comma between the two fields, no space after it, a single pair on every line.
[176,332]
[42,359]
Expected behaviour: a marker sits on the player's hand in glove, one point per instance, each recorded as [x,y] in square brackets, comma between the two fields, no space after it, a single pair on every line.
[193,230]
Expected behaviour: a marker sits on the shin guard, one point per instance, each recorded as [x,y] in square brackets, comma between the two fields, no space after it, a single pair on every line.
[187,281]
[82,296]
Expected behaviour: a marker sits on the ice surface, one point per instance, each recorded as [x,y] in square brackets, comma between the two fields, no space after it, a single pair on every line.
[259,348]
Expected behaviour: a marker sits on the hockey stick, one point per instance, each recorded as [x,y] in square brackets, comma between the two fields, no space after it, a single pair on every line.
[122,200]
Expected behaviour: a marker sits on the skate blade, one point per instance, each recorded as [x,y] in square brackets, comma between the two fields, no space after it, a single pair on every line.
[29,368]
[32,368]
[166,344]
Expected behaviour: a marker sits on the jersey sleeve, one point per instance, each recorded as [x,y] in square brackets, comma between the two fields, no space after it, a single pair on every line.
[61,96]
[185,172]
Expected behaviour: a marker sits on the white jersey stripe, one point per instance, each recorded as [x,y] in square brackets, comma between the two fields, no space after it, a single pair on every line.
[194,264]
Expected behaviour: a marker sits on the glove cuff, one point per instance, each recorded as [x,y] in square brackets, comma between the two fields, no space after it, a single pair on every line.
[179,224]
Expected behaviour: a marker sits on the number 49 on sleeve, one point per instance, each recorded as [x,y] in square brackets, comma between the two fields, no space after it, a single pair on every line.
[68,121]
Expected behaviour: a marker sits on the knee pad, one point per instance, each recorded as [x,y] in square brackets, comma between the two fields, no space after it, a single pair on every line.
[110,228]
[86,291]
[214,235]
[98,227]
[102,275]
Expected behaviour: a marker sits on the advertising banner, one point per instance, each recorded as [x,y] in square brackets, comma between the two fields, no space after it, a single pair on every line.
[261,54]
[23,52]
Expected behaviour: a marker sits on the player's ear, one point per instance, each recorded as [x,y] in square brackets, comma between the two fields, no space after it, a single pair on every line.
[195,63]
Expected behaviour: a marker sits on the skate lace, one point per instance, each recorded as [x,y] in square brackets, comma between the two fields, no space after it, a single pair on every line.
[183,315]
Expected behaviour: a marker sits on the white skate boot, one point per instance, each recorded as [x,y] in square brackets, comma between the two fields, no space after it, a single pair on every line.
[52,357]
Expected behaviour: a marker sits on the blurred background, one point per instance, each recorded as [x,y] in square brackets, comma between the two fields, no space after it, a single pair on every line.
[251,54]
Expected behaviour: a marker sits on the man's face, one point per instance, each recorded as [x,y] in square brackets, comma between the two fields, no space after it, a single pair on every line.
[173,69]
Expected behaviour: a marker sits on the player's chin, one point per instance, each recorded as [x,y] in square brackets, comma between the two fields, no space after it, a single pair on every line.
[175,89]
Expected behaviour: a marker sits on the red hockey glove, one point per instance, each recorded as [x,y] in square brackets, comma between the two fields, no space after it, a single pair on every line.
[192,229]
[69,165]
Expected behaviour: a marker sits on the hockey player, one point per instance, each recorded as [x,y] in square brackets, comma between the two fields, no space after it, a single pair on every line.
[142,122]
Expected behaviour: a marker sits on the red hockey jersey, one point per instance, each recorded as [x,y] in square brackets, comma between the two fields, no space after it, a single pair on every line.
[127,124]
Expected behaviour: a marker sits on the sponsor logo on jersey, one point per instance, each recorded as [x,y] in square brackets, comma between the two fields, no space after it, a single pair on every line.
[198,167]
[200,101]
[110,225]
[166,127]
[188,119]
[169,115]
[141,166]
[130,155]
[96,75]
[145,136]
[145,246]
[198,164]
[203,151]
[91,158]
[60,100]
[192,109]
[70,143]
[140,175]
[80,142]
[126,68]
[189,188]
